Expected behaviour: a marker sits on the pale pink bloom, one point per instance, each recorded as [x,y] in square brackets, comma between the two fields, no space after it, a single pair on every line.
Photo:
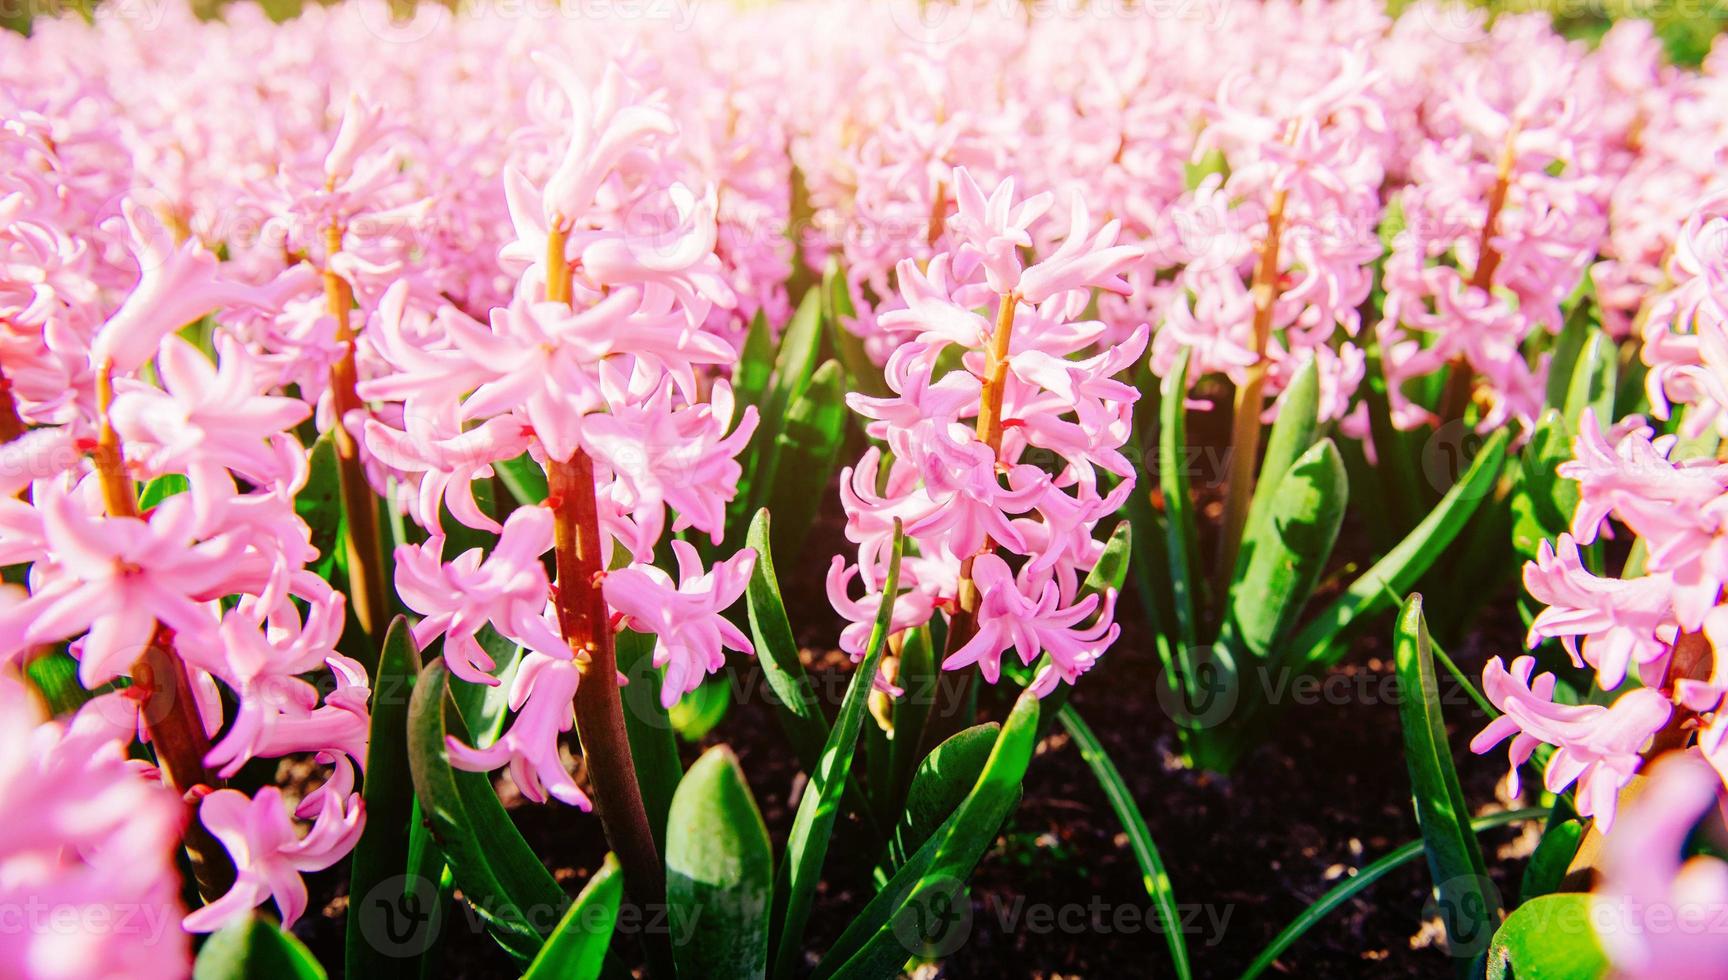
[687,618]
[116,577]
[507,588]
[268,852]
[542,696]
[660,456]
[1051,624]
[1597,746]
[279,712]
[178,285]
[88,833]
[996,226]
[609,123]
[1622,621]
[1655,911]
[210,422]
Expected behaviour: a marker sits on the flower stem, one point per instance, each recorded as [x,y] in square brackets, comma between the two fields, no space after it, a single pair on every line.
[963,623]
[583,620]
[1245,417]
[11,423]
[360,538]
[160,684]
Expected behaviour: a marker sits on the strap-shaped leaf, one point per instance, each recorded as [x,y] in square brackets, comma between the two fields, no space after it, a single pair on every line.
[813,826]
[874,947]
[837,308]
[498,873]
[254,949]
[1284,554]
[319,504]
[808,449]
[1152,872]
[794,700]
[1180,530]
[1318,645]
[719,873]
[941,784]
[1549,938]
[576,950]
[1469,903]
[1293,431]
[919,677]
[648,726]
[1543,501]
[1581,318]
[1595,378]
[1553,857]
[382,853]
[755,362]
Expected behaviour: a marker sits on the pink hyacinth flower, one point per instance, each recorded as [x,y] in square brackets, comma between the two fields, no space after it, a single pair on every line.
[269,854]
[687,618]
[1598,747]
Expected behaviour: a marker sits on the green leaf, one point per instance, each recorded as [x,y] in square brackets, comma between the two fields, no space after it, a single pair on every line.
[55,676]
[577,948]
[1357,883]
[1543,501]
[1553,857]
[808,447]
[1179,522]
[695,714]
[648,725]
[921,897]
[253,949]
[1400,490]
[777,652]
[755,362]
[919,676]
[719,872]
[319,504]
[1152,872]
[1549,938]
[1469,904]
[161,488]
[1563,360]
[1393,223]
[941,784]
[1195,172]
[524,478]
[1284,554]
[795,363]
[381,857]
[865,377]
[1293,432]
[1317,645]
[813,825]
[1593,382]
[511,891]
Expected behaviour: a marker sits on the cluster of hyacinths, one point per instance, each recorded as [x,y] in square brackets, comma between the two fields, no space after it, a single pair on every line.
[1033,382]
[592,368]
[1649,635]
[203,598]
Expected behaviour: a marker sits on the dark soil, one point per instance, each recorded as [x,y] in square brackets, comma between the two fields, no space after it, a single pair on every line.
[1060,894]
